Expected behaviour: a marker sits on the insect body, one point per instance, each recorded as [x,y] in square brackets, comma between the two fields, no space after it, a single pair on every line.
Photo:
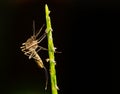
[31,47]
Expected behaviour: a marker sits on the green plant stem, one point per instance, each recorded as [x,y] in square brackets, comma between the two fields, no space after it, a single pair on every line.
[51,49]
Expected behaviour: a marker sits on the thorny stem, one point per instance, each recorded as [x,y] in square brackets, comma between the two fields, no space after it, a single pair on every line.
[51,51]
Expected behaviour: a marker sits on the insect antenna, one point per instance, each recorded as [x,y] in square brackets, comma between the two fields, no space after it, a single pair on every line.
[33,28]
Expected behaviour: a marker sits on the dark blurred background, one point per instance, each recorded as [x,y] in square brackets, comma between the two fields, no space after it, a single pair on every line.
[73,23]
[115,65]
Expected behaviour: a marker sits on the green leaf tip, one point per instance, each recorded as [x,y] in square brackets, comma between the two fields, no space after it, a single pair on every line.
[48,21]
[47,10]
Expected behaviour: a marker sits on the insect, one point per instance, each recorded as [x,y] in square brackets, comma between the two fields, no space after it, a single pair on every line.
[31,47]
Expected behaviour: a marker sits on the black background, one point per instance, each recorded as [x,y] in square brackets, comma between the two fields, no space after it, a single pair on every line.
[74,34]
[108,18]
[115,65]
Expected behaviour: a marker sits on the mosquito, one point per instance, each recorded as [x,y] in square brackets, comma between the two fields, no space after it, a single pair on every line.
[31,49]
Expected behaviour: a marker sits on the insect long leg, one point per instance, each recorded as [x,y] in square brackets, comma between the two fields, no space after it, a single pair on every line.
[42,37]
[30,54]
[38,50]
[42,48]
[46,73]
[40,30]
[40,64]
[46,76]
[27,54]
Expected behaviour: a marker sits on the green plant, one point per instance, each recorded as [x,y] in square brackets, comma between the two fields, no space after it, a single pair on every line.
[51,51]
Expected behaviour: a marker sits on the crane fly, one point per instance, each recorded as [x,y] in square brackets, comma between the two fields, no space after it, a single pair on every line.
[31,47]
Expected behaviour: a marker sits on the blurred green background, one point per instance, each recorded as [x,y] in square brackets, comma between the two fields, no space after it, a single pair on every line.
[72,23]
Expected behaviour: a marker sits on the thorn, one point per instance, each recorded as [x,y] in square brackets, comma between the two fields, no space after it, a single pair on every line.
[57,87]
[51,29]
[47,60]
[56,51]
[54,62]
[55,48]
